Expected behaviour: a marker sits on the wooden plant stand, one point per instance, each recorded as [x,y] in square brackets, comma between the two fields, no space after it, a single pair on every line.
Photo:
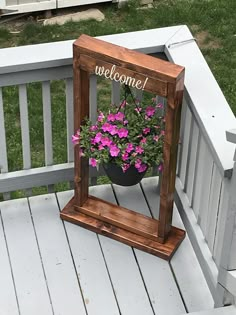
[157,237]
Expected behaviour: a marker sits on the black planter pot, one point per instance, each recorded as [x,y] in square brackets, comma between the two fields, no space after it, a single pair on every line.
[117,176]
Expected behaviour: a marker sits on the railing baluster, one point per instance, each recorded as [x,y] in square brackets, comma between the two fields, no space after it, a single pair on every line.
[192,161]
[69,119]
[213,207]
[185,144]
[47,125]
[115,94]
[205,190]
[181,136]
[24,120]
[3,145]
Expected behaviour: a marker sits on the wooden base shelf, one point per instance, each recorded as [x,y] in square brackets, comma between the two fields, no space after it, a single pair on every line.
[124,225]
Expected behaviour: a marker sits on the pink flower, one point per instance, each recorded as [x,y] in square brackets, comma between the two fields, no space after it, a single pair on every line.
[129,148]
[139,150]
[125,156]
[125,122]
[106,127]
[100,116]
[92,141]
[75,138]
[111,117]
[146,130]
[98,137]
[122,105]
[100,147]
[138,109]
[93,128]
[93,162]
[125,166]
[106,141]
[114,150]
[160,167]
[150,111]
[163,132]
[123,133]
[113,130]
[159,105]
[138,163]
[144,140]
[81,152]
[156,138]
[142,168]
[119,116]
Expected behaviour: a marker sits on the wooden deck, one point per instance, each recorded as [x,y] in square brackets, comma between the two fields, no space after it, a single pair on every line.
[53,267]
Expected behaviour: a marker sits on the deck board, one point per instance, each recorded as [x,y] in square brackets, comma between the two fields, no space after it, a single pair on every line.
[61,268]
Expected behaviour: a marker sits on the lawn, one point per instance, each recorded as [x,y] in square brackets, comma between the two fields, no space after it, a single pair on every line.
[212,22]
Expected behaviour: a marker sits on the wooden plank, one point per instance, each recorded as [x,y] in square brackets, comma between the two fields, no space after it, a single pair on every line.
[47,123]
[115,93]
[69,119]
[8,301]
[185,146]
[165,298]
[198,242]
[24,120]
[202,95]
[123,268]
[184,264]
[101,50]
[205,191]
[56,256]
[227,310]
[190,173]
[28,273]
[3,146]
[214,204]
[91,268]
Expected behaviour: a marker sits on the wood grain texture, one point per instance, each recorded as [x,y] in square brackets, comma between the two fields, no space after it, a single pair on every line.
[164,251]
[127,58]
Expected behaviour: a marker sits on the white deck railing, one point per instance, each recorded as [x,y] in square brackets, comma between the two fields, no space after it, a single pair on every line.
[205,182]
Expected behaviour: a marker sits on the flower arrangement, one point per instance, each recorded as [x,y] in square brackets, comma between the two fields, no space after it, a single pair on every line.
[130,135]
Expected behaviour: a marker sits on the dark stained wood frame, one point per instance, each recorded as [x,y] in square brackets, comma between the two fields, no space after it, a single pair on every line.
[158,237]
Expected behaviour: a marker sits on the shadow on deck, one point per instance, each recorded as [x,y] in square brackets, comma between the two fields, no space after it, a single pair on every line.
[53,267]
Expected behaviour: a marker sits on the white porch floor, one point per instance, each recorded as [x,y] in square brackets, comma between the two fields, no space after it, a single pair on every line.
[53,267]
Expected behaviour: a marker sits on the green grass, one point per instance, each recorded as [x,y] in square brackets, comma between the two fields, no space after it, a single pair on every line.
[212,22]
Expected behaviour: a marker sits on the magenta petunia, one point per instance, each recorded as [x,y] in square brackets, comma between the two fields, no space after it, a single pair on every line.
[119,116]
[125,156]
[106,127]
[122,133]
[100,116]
[98,137]
[144,140]
[138,163]
[75,138]
[160,167]
[160,105]
[114,150]
[93,162]
[113,130]
[129,148]
[146,131]
[150,111]
[123,104]
[125,122]
[142,168]
[138,109]
[111,117]
[106,141]
[125,166]
[139,150]
[100,147]
[155,138]
[93,128]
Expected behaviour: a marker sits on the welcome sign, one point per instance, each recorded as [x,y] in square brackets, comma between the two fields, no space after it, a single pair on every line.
[112,74]
[141,72]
